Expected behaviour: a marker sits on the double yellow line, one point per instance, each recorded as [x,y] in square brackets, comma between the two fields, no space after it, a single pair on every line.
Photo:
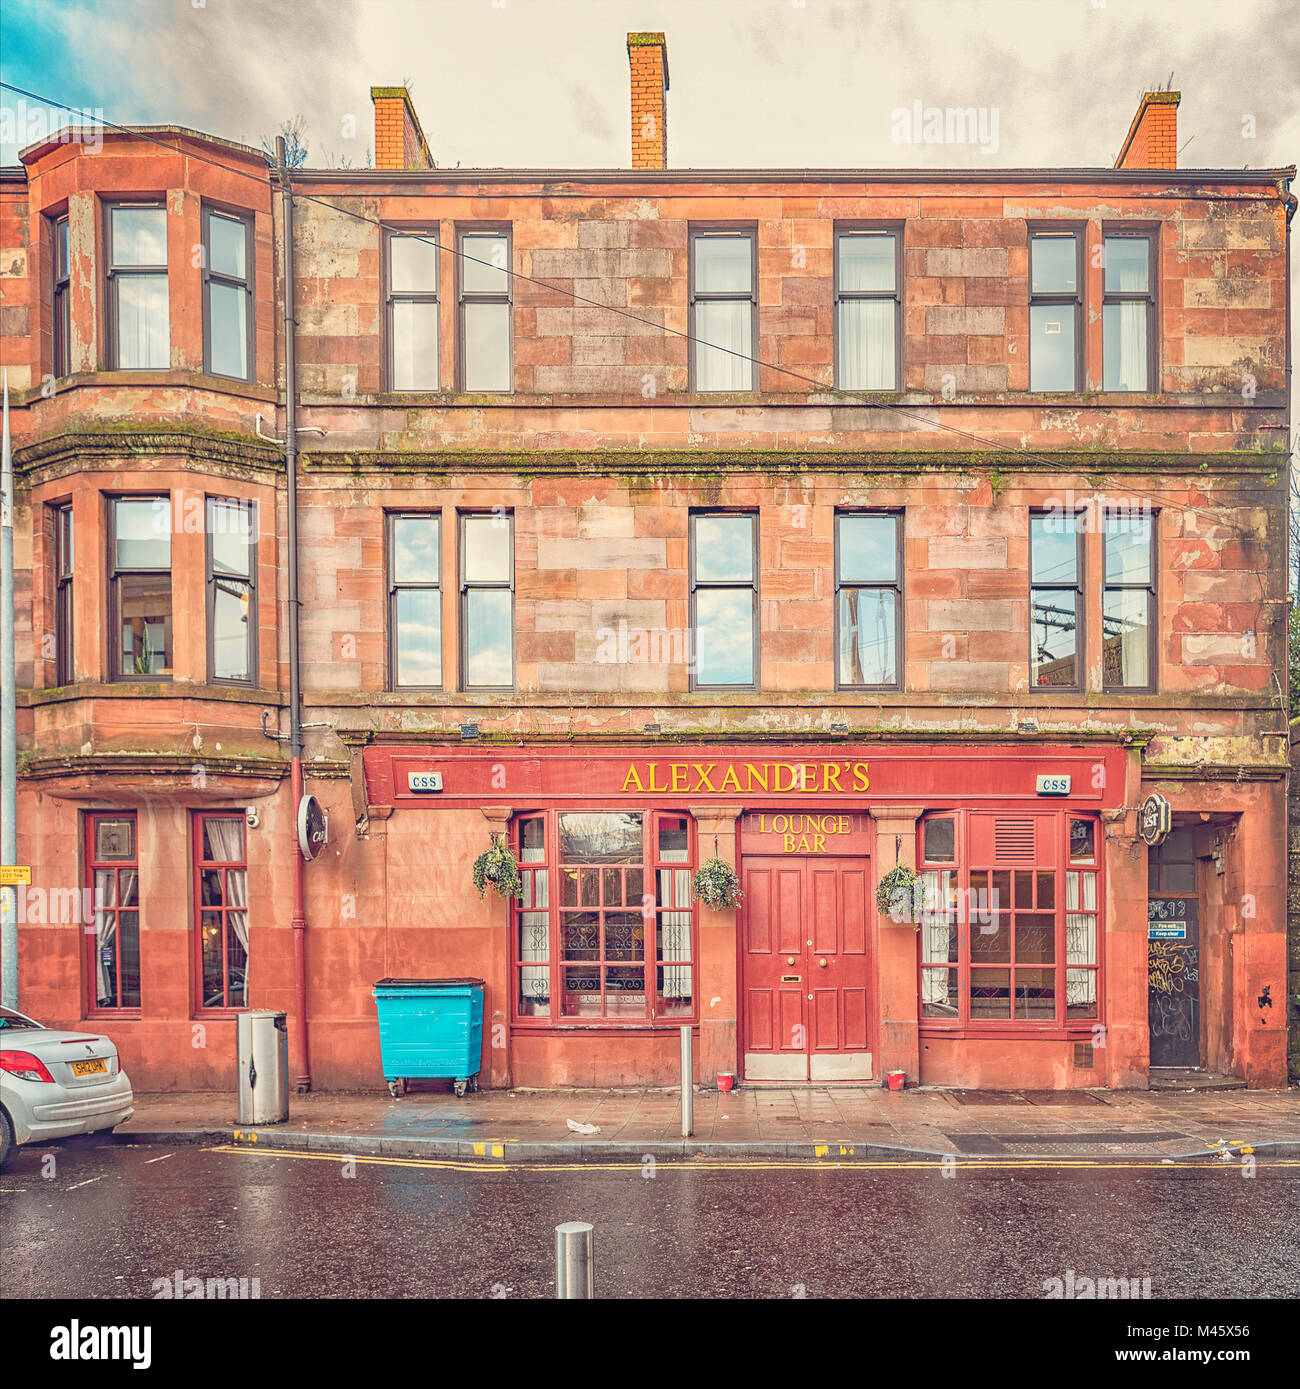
[742,1164]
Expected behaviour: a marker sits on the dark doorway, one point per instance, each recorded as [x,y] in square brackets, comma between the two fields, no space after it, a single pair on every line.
[1174,953]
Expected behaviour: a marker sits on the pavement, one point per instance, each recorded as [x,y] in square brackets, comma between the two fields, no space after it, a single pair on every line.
[841,1122]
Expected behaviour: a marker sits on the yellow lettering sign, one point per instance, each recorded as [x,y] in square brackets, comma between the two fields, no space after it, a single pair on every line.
[776,778]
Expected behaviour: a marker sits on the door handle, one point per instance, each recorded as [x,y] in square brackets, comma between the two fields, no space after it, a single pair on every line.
[822,963]
[789,959]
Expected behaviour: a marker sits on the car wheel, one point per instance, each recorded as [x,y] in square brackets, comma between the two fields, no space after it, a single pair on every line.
[6,1138]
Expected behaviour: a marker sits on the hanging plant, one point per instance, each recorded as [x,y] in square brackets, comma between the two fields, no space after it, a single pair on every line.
[497,866]
[896,895]
[716,885]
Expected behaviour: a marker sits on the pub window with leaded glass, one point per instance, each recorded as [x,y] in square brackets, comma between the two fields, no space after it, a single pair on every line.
[221,910]
[1010,919]
[113,941]
[232,590]
[533,921]
[604,927]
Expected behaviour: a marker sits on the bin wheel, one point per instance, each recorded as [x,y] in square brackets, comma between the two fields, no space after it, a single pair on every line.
[473,1084]
[392,1088]
[460,1089]
[404,1085]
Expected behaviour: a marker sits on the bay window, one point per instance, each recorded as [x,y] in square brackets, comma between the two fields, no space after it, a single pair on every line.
[605,929]
[227,294]
[139,333]
[60,317]
[61,517]
[232,590]
[140,588]
[1009,920]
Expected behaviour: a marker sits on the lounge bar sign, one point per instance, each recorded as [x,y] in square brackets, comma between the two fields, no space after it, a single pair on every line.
[761,777]
[829,832]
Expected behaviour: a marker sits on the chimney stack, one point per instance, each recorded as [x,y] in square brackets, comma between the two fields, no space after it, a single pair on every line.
[1152,141]
[399,141]
[648,56]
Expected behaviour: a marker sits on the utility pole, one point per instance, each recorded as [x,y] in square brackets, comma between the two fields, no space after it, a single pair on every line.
[8,726]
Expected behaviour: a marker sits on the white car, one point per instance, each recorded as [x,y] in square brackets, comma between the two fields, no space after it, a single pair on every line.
[56,1084]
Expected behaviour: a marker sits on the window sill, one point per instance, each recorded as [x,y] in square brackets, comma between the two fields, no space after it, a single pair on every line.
[191,379]
[1080,1031]
[150,689]
[546,1027]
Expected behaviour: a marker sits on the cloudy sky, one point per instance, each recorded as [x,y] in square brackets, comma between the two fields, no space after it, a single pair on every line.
[538,83]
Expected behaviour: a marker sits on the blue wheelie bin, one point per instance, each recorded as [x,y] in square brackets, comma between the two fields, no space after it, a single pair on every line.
[430,1029]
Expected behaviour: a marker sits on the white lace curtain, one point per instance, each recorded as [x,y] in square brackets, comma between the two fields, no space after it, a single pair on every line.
[866,344]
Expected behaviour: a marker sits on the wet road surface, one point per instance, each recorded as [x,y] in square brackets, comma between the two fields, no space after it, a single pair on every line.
[112,1219]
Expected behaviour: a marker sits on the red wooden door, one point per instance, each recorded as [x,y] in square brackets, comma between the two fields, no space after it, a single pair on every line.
[806,968]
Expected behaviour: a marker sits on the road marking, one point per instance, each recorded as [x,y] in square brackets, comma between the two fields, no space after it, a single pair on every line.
[75,1185]
[164,1158]
[736,1164]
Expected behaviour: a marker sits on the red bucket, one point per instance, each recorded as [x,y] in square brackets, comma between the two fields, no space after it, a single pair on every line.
[726,1083]
[896,1079]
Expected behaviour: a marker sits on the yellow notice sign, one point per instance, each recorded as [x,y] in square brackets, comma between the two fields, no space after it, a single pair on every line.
[11,876]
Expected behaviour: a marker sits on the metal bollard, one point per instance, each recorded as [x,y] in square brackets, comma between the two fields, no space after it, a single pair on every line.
[575,1273]
[688,1086]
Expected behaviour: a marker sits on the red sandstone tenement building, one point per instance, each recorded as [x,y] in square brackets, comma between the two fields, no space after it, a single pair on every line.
[820,520]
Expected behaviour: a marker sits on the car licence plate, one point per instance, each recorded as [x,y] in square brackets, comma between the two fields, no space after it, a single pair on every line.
[88,1068]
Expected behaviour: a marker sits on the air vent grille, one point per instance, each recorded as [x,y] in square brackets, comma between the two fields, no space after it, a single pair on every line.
[1083,1058]
[1013,841]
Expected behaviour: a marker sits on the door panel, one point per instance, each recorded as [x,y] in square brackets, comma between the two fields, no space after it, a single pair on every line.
[825,922]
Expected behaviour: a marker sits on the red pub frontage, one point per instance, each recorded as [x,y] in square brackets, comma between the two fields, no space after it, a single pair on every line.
[1015,963]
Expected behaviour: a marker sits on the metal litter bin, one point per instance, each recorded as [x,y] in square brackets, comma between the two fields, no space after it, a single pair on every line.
[262,1059]
[430,1029]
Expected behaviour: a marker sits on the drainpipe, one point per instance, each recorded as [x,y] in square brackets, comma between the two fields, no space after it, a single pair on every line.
[302,1063]
[8,724]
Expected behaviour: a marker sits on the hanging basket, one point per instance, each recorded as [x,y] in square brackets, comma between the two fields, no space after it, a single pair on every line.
[716,885]
[896,895]
[497,868]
